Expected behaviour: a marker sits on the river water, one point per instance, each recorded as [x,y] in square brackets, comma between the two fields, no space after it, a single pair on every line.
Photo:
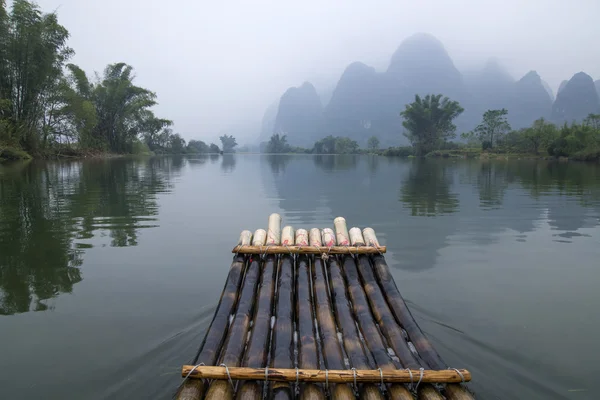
[110,270]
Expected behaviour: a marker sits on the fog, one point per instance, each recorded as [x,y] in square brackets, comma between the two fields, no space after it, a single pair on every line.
[216,66]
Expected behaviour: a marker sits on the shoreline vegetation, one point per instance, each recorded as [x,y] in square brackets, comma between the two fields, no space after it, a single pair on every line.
[50,108]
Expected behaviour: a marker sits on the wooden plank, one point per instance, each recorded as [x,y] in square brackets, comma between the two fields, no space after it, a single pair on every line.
[317,375]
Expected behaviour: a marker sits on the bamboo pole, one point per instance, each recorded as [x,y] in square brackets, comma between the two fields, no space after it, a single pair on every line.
[308,357]
[276,249]
[372,336]
[383,316]
[428,392]
[283,340]
[330,345]
[217,330]
[233,349]
[255,355]
[403,315]
[341,231]
[318,375]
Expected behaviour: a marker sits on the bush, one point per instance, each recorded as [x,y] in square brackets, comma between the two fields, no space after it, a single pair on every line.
[140,148]
[12,153]
[402,151]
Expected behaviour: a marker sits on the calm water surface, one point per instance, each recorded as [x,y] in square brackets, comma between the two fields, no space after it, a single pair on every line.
[110,270]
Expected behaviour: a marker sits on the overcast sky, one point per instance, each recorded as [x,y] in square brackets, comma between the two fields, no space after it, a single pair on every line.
[218,64]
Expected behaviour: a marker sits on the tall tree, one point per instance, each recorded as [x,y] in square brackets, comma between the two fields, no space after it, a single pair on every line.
[228,142]
[428,121]
[213,148]
[373,143]
[542,133]
[493,127]
[197,146]
[278,144]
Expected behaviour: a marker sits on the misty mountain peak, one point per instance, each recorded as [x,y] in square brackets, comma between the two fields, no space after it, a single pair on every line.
[597,83]
[493,69]
[421,53]
[299,114]
[576,100]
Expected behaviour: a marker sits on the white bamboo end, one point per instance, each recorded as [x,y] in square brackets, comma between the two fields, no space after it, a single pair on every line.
[315,237]
[328,237]
[245,238]
[370,238]
[356,237]
[260,237]
[341,231]
[287,236]
[274,231]
[301,237]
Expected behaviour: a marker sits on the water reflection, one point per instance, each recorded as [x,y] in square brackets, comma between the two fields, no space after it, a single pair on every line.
[228,163]
[339,162]
[426,190]
[52,212]
[278,162]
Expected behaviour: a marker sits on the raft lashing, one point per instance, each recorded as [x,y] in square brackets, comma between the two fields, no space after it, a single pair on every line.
[314,315]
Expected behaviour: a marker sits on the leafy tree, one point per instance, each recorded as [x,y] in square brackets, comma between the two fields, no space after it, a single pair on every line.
[344,145]
[213,148]
[373,143]
[325,145]
[493,127]
[539,135]
[228,142]
[278,144]
[428,121]
[197,146]
[177,144]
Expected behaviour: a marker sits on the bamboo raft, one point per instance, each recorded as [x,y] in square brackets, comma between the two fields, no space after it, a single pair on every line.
[314,315]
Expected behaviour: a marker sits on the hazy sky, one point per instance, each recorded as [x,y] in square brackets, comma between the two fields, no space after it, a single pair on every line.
[218,64]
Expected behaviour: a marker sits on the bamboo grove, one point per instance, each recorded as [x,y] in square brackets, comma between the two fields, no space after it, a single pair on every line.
[48,105]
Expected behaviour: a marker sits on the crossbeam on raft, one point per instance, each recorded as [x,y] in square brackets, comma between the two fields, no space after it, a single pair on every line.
[309,250]
[332,376]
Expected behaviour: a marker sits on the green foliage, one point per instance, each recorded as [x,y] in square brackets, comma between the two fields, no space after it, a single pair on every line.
[140,148]
[277,144]
[402,151]
[373,143]
[213,148]
[197,147]
[577,139]
[46,104]
[541,134]
[428,121]
[228,142]
[492,128]
[335,145]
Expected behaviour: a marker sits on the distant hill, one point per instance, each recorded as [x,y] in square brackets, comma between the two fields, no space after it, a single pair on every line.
[366,102]
[597,83]
[577,99]
[299,115]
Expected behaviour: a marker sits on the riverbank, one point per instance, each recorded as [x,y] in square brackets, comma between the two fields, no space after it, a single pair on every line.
[10,153]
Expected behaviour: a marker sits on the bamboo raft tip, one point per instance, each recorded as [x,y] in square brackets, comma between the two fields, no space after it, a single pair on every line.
[275,240]
[341,293]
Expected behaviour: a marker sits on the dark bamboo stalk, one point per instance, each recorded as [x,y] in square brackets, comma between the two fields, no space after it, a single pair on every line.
[330,345]
[283,336]
[255,355]
[233,348]
[371,334]
[307,345]
[387,324]
[217,330]
[403,315]
[407,321]
[357,354]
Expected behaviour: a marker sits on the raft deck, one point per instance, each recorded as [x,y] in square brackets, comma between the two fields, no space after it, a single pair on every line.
[314,315]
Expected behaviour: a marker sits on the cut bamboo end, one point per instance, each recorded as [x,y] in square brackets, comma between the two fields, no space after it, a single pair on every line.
[370,238]
[341,231]
[332,376]
[356,237]
[274,231]
[328,237]
[287,236]
[315,237]
[260,237]
[301,237]
[245,238]
[308,250]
